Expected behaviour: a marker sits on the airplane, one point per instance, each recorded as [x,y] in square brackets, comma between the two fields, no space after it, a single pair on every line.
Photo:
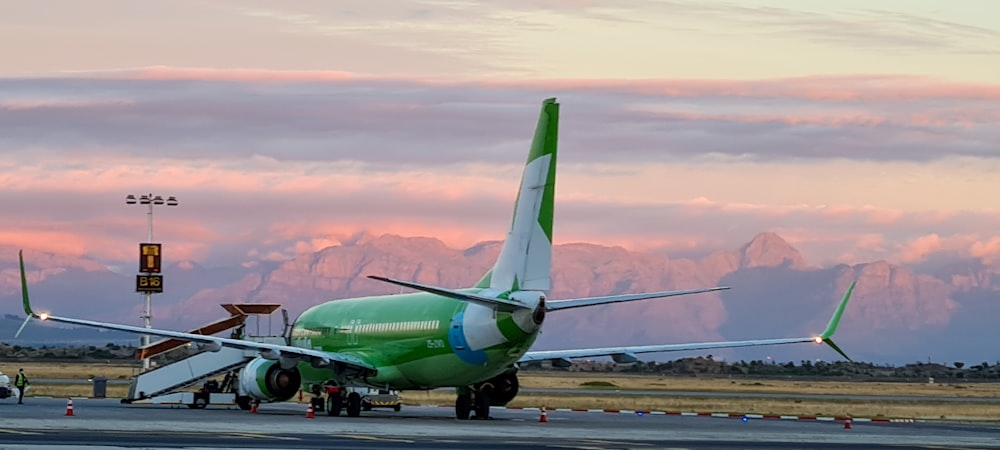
[472,339]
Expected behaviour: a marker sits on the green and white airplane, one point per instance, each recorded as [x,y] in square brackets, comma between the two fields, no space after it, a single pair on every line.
[471,339]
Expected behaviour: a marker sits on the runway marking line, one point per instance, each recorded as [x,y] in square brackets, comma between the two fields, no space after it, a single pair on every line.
[362,437]
[262,436]
[630,443]
[26,433]
[716,415]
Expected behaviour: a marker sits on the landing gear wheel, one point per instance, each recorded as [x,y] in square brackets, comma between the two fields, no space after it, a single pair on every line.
[463,406]
[483,405]
[244,402]
[334,403]
[200,402]
[397,407]
[353,404]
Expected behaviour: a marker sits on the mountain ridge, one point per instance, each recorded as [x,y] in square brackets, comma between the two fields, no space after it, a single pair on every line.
[775,292]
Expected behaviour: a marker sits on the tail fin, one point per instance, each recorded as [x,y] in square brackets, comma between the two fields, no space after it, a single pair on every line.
[526,256]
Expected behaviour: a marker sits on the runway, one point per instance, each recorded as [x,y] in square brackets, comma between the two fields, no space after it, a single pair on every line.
[105,423]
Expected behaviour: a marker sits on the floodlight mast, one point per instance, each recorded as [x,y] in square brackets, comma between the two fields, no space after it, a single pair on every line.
[149,200]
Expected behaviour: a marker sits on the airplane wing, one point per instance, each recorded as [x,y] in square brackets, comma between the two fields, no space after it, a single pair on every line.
[627,353]
[284,353]
[556,305]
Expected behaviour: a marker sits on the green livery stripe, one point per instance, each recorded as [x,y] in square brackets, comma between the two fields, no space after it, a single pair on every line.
[24,287]
[510,330]
[545,142]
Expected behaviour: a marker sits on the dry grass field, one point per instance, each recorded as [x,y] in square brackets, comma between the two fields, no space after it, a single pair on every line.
[929,409]
[774,386]
[72,370]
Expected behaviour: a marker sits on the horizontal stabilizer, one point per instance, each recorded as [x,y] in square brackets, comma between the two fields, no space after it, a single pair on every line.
[502,304]
[556,305]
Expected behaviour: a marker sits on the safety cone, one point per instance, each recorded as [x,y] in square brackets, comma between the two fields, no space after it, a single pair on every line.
[253,408]
[310,414]
[69,407]
[543,418]
[847,424]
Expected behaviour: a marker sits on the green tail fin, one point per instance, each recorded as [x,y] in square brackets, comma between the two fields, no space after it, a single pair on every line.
[526,256]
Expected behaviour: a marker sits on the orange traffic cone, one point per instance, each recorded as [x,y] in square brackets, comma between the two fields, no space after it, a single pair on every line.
[544,418]
[310,414]
[69,407]
[847,424]
[253,408]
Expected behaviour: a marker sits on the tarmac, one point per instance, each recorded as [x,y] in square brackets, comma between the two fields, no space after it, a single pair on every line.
[108,424]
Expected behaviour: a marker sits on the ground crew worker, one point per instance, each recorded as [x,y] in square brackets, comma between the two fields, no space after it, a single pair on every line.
[21,383]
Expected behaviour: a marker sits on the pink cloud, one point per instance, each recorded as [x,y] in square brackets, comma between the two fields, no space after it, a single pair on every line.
[832,118]
[39,103]
[60,242]
[816,87]
[209,73]
[917,249]
[988,250]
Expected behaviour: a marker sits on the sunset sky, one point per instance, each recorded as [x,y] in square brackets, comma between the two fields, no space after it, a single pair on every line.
[857,130]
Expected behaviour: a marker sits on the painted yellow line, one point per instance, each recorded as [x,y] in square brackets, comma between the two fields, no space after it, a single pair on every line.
[598,441]
[28,433]
[263,436]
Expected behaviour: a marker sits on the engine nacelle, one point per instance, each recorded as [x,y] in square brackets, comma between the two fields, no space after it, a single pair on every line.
[266,381]
[501,388]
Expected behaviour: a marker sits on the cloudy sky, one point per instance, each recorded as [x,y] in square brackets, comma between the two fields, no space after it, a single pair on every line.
[858,130]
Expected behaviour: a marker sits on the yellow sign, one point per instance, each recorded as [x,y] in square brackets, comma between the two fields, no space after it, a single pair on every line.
[149,283]
[149,257]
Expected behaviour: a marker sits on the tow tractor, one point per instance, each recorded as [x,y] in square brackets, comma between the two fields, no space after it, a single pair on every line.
[380,398]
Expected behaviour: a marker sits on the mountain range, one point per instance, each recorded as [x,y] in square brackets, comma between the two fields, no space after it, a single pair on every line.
[897,314]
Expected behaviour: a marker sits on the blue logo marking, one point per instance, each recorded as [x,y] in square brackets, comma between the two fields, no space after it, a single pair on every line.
[458,344]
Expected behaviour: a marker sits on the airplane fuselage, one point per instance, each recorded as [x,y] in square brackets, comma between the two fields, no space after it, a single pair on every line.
[415,341]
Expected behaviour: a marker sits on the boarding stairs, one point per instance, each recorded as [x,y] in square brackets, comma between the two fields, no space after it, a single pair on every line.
[201,366]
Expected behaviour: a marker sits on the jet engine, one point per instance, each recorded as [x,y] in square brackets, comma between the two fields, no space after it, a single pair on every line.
[266,381]
[500,389]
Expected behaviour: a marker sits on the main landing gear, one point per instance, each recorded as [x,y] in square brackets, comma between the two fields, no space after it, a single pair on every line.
[478,398]
[336,402]
[477,402]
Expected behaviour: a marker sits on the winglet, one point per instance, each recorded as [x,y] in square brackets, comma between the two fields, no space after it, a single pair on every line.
[831,327]
[24,288]
[24,296]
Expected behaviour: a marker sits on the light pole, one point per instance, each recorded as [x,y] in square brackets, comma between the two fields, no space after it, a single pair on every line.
[145,264]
